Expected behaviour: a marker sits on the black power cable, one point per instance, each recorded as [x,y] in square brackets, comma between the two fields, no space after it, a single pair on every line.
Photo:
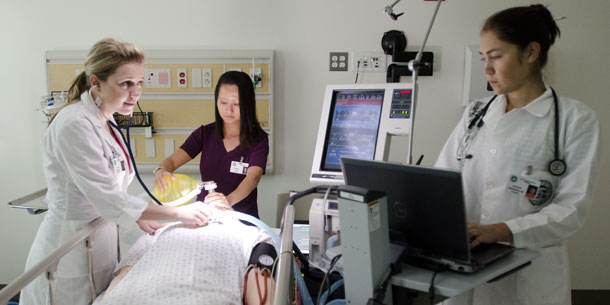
[431,290]
[326,277]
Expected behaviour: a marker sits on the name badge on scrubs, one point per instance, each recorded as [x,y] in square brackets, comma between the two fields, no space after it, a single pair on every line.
[523,185]
[239,167]
[118,164]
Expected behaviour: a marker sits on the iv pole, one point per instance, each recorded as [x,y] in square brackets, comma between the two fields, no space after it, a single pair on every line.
[413,64]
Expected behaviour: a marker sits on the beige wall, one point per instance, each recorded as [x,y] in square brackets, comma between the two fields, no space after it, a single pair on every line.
[302,33]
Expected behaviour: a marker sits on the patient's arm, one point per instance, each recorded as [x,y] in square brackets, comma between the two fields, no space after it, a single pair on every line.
[118,278]
[252,293]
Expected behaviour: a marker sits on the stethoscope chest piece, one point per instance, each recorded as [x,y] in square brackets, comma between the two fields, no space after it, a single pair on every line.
[557,167]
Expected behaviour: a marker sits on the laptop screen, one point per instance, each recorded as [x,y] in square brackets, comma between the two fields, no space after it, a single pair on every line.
[425,205]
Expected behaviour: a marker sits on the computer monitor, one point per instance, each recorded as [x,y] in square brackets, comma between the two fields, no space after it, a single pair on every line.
[356,121]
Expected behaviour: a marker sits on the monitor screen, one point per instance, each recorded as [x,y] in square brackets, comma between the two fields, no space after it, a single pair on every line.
[353,126]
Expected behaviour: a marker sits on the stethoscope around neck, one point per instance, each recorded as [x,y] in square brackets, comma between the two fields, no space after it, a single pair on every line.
[556,167]
[128,142]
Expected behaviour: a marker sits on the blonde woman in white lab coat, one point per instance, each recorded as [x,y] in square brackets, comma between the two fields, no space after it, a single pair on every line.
[513,192]
[88,170]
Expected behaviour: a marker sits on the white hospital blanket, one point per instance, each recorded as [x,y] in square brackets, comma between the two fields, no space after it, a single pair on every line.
[182,265]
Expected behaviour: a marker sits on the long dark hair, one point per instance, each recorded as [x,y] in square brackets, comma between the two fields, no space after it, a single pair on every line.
[249,129]
[524,24]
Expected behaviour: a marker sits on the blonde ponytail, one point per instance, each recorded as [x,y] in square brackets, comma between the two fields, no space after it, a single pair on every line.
[104,58]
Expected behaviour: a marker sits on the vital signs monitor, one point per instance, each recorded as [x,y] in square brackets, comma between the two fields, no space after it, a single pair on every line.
[357,121]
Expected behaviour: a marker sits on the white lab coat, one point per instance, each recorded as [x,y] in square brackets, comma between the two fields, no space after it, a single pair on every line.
[79,158]
[503,149]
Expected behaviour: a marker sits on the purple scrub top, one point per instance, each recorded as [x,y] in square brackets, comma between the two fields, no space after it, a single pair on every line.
[216,163]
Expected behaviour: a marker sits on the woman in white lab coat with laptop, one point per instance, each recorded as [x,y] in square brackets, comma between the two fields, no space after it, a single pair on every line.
[87,171]
[528,157]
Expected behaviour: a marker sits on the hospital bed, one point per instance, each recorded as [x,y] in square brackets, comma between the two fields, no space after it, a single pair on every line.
[49,265]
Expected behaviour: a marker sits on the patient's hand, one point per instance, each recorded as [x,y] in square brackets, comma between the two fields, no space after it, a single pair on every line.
[218,200]
[150,226]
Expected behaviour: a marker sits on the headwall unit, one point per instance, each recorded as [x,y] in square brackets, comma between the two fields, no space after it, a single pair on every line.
[179,91]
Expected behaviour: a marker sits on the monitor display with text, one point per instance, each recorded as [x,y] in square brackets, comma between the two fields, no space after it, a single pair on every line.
[353,126]
[356,121]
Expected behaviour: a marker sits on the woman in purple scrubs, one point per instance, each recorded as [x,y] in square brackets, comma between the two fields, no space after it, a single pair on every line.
[233,149]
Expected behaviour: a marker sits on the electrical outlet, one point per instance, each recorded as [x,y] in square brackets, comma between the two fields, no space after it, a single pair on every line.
[338,61]
[369,62]
[206,78]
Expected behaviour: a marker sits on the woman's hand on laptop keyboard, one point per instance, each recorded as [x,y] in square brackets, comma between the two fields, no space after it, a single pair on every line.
[487,234]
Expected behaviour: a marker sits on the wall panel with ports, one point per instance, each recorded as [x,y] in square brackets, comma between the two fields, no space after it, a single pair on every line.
[179,91]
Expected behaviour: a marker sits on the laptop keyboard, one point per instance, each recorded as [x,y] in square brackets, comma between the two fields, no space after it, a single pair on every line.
[485,253]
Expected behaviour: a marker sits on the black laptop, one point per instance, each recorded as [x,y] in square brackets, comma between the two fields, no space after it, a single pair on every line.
[426,213]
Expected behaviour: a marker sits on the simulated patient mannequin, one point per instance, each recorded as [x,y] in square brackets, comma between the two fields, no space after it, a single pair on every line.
[185,265]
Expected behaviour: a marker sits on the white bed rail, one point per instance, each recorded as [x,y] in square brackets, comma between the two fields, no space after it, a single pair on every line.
[32,202]
[49,264]
[284,270]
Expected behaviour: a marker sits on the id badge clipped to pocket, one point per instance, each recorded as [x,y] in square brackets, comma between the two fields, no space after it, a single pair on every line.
[118,164]
[239,167]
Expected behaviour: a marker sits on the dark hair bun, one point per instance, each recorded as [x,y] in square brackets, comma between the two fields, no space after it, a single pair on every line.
[525,24]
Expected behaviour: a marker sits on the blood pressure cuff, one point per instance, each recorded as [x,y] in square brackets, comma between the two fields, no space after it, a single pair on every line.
[263,255]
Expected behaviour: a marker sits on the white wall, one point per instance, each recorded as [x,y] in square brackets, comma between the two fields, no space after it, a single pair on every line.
[302,33]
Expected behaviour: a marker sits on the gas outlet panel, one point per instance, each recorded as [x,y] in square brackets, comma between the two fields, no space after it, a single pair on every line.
[182,81]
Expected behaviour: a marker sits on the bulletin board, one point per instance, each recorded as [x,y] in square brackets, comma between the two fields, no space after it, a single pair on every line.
[179,91]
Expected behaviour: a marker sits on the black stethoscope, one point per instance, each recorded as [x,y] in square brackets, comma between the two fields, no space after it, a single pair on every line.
[135,168]
[129,152]
[557,166]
